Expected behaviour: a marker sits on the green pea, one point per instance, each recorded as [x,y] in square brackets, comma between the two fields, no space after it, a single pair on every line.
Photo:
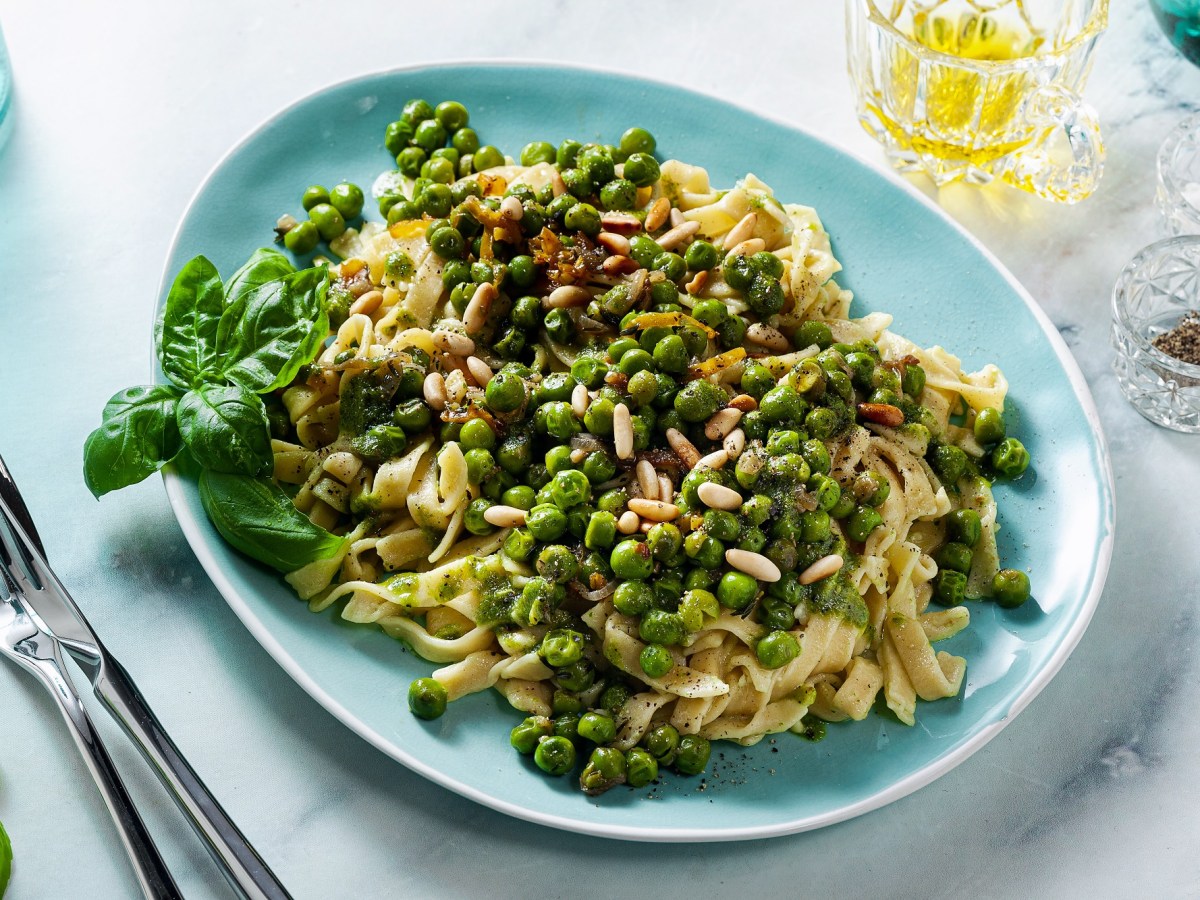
[954,556]
[555,755]
[698,400]
[302,239]
[519,544]
[558,564]
[637,140]
[560,420]
[965,526]
[527,312]
[781,404]
[440,170]
[403,211]
[410,160]
[537,152]
[601,531]
[813,332]
[641,768]
[912,380]
[701,256]
[695,340]
[661,627]
[736,590]
[619,194]
[464,140]
[583,217]
[526,736]
[949,462]
[396,136]
[579,185]
[615,697]
[644,250]
[671,265]
[576,677]
[665,541]
[567,153]
[765,296]
[828,492]
[1010,458]
[777,649]
[862,522]
[817,456]
[427,698]
[721,524]
[477,434]
[559,326]
[613,501]
[631,560]
[570,488]
[505,392]
[662,742]
[1010,588]
[821,422]
[313,195]
[636,360]
[704,549]
[561,646]
[598,728]
[692,756]
[597,162]
[599,467]
[546,522]
[950,587]
[447,243]
[521,496]
[642,169]
[656,660]
[814,526]
[604,770]
[347,199]
[633,598]
[329,221]
[989,425]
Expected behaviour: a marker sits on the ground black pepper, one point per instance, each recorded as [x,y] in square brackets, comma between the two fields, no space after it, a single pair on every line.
[1182,341]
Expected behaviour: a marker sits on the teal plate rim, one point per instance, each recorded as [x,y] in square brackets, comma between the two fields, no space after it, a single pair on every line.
[745,803]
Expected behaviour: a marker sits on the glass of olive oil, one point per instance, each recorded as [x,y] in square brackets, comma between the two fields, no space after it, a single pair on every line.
[978,90]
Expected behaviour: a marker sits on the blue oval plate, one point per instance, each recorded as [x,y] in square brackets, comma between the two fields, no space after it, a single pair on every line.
[901,254]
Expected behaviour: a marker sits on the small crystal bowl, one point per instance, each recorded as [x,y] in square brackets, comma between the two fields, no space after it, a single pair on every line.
[1152,295]
[1178,193]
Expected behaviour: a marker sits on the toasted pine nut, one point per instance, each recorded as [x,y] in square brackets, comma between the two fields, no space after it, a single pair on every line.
[619,265]
[645,527]
[578,455]
[735,443]
[744,402]
[616,243]
[754,564]
[718,496]
[747,248]
[822,568]
[504,516]
[714,460]
[647,479]
[683,448]
[480,371]
[476,314]
[696,285]
[882,414]
[580,400]
[678,235]
[766,336]
[676,217]
[567,295]
[657,215]
[628,522]
[453,343]
[367,303]
[623,222]
[435,390]
[511,208]
[654,510]
[666,490]
[623,432]
[722,422]
[741,231]
[557,185]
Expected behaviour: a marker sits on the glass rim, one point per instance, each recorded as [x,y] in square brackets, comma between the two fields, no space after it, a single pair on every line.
[1097,22]
[1120,309]
[1190,125]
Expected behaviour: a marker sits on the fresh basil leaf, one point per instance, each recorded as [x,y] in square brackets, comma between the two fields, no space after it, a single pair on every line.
[268,333]
[265,264]
[255,516]
[137,437]
[187,333]
[5,859]
[225,428]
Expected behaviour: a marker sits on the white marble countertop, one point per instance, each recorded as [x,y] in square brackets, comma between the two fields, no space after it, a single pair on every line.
[121,110]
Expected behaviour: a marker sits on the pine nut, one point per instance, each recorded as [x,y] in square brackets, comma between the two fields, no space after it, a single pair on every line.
[735,443]
[645,527]
[881,414]
[367,303]
[753,564]
[696,285]
[623,432]
[666,490]
[654,510]
[658,214]
[676,217]
[578,455]
[453,343]
[504,516]
[647,479]
[480,371]
[628,522]
[678,235]
[511,208]
[744,402]
[747,248]
[567,295]
[714,460]
[722,422]
[435,390]
[822,568]
[619,265]
[718,496]
[623,222]
[683,448]
[476,314]
[766,336]
[615,243]
[741,231]
[580,400]
[557,185]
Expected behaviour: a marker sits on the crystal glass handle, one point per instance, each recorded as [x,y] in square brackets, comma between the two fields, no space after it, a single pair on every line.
[1066,158]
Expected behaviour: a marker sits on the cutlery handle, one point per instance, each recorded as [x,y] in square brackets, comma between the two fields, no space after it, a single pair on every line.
[152,873]
[242,865]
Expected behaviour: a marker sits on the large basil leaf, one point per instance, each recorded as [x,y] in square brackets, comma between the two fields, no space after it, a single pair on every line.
[259,519]
[187,334]
[268,333]
[266,264]
[225,428]
[137,437]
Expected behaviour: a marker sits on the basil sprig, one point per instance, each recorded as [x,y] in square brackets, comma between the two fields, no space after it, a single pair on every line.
[221,346]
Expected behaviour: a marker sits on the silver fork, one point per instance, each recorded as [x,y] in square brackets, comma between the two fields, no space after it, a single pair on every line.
[23,640]
[58,615]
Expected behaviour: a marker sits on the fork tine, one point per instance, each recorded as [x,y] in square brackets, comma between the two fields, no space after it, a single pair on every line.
[17,563]
[12,495]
